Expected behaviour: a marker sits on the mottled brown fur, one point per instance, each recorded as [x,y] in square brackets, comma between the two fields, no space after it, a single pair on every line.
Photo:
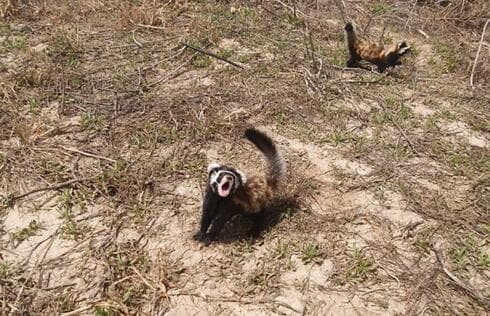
[255,195]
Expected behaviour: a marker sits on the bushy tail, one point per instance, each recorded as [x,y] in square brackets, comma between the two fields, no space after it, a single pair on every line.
[350,36]
[276,166]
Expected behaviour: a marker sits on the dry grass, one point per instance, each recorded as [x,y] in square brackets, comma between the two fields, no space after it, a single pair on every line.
[108,121]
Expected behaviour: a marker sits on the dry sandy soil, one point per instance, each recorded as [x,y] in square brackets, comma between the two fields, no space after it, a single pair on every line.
[108,118]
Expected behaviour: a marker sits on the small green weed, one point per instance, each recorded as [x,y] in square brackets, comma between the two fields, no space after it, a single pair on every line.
[92,122]
[63,46]
[18,42]
[4,270]
[360,266]
[105,311]
[26,232]
[70,229]
[469,252]
[226,53]
[448,55]
[381,8]
[339,137]
[201,61]
[282,251]
[311,253]
[34,106]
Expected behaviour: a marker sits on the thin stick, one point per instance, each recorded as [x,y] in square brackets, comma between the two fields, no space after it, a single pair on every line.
[402,132]
[293,9]
[53,187]
[341,7]
[135,40]
[81,309]
[173,73]
[473,293]
[87,154]
[205,52]
[478,53]
[382,34]
[150,26]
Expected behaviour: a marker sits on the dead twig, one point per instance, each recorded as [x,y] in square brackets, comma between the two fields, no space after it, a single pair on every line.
[467,288]
[293,9]
[205,52]
[81,309]
[239,300]
[478,53]
[382,35]
[135,40]
[83,153]
[53,187]
[173,73]
[341,6]
[402,132]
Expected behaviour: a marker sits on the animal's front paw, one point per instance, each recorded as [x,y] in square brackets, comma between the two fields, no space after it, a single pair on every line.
[199,236]
[207,241]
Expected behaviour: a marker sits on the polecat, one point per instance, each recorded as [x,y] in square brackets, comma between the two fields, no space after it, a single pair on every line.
[376,53]
[230,192]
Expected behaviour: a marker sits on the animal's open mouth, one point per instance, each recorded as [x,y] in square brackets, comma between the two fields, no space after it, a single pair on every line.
[224,189]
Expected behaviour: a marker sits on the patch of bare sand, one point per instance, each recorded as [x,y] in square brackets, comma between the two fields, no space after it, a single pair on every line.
[422,109]
[463,131]
[392,208]
[189,80]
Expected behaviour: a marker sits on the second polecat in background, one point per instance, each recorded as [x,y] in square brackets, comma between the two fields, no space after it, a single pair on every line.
[373,52]
[229,191]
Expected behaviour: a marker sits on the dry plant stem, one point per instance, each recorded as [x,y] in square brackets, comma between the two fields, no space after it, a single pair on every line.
[53,187]
[79,310]
[238,300]
[205,52]
[473,293]
[341,7]
[173,73]
[478,53]
[402,132]
[87,154]
[135,40]
[293,9]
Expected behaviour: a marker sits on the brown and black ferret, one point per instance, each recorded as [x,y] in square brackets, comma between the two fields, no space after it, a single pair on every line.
[229,191]
[375,53]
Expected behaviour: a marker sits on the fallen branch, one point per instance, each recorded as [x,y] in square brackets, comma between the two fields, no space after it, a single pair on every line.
[478,53]
[205,52]
[53,187]
[467,288]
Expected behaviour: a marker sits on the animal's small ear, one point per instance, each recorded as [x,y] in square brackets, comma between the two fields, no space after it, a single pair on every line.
[213,165]
[243,177]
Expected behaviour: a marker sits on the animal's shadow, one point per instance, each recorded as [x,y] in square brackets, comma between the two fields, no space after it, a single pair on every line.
[242,227]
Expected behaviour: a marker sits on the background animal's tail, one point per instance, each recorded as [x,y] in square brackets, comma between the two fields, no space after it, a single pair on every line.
[350,35]
[276,166]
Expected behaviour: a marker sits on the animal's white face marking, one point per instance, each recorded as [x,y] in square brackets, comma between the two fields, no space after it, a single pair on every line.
[222,182]
[403,50]
[212,166]
[243,178]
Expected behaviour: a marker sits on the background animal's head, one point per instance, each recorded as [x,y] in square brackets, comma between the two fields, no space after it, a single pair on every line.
[224,180]
[395,52]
